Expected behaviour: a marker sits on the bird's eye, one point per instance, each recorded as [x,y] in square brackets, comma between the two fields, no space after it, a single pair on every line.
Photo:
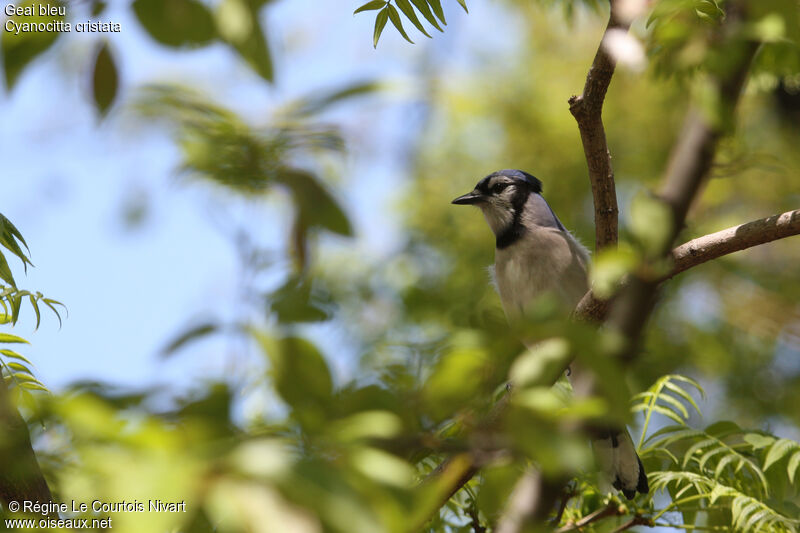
[498,187]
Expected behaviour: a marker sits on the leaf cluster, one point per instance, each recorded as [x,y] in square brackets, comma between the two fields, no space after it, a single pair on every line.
[431,11]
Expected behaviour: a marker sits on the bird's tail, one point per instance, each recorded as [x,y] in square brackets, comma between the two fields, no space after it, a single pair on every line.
[617,457]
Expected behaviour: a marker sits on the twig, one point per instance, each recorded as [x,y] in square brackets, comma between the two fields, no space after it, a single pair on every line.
[476,522]
[612,509]
[637,520]
[566,496]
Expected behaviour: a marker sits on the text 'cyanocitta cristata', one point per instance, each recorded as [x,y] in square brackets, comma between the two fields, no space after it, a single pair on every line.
[536,255]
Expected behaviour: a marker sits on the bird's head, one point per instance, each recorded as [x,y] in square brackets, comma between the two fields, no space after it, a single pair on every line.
[502,196]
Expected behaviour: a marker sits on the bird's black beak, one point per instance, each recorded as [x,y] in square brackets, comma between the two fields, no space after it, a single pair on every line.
[470,198]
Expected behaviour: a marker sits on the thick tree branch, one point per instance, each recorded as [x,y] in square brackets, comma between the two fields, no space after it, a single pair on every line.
[587,110]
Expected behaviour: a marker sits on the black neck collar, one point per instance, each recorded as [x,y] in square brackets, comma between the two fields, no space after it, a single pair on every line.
[511,235]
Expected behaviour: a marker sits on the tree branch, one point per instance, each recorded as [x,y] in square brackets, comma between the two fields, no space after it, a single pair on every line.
[587,110]
[733,239]
[706,248]
[612,509]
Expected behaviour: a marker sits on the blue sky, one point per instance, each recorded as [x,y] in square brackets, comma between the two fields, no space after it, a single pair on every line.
[69,178]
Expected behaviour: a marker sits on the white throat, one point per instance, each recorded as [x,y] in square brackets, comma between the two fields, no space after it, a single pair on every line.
[499,220]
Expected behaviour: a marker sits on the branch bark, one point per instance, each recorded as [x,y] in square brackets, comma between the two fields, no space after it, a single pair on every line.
[588,112]
[734,239]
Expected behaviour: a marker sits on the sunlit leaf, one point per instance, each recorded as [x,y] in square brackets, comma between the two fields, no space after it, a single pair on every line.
[8,338]
[14,355]
[794,464]
[778,451]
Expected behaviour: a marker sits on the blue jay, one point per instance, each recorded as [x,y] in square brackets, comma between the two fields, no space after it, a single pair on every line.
[535,254]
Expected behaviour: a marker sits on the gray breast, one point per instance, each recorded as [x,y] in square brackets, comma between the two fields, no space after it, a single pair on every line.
[546,259]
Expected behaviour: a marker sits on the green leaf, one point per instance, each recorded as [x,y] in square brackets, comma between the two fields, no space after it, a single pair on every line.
[314,204]
[437,8]
[105,80]
[190,335]
[669,385]
[651,223]
[14,355]
[779,450]
[408,10]
[19,367]
[20,48]
[35,306]
[297,301]
[321,101]
[610,266]
[300,373]
[464,5]
[380,23]
[33,385]
[425,9]
[394,16]
[725,461]
[16,302]
[369,6]
[9,235]
[669,413]
[8,338]
[5,272]
[49,302]
[176,23]
[98,6]
[758,441]
[794,463]
[254,49]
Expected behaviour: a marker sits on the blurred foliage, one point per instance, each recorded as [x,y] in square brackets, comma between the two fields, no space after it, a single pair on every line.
[178,24]
[326,453]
